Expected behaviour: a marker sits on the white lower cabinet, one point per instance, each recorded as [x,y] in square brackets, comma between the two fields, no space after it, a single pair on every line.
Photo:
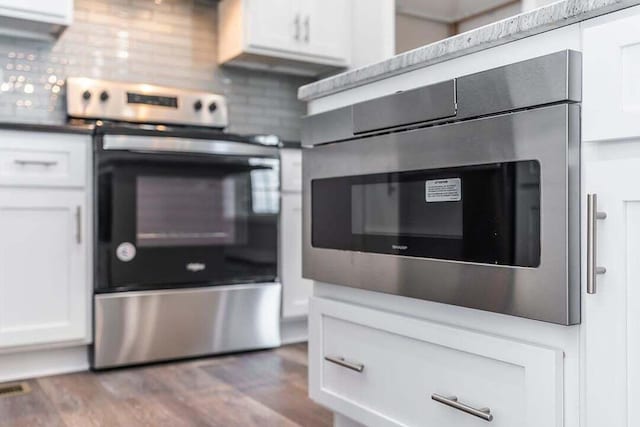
[386,369]
[611,316]
[43,266]
[295,289]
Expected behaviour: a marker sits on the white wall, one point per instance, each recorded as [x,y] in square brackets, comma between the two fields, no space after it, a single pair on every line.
[373,31]
[413,31]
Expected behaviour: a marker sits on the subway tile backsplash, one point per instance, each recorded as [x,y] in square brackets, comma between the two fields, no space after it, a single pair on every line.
[165,42]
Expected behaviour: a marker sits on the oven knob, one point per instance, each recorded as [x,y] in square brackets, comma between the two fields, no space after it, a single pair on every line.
[104,96]
[197,105]
[86,95]
[213,107]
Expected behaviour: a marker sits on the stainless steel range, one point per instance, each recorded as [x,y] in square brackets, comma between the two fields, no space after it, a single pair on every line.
[186,226]
[464,192]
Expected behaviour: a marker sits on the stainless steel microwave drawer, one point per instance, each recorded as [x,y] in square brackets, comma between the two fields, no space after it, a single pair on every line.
[535,82]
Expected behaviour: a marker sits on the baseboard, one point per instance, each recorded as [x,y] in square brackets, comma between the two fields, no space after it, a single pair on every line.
[40,363]
[340,420]
[293,330]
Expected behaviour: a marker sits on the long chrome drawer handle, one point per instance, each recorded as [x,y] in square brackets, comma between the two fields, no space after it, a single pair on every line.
[452,401]
[36,162]
[358,367]
[592,242]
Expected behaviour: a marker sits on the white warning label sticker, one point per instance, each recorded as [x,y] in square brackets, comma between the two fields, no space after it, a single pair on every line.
[443,190]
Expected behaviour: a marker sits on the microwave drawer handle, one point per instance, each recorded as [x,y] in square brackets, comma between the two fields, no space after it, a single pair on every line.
[452,401]
[22,162]
[340,361]
[592,242]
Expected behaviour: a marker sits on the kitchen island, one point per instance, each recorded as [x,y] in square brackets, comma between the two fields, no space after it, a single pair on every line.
[381,359]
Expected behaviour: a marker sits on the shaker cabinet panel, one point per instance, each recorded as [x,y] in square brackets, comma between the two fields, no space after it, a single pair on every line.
[384,369]
[43,267]
[38,19]
[43,10]
[326,25]
[611,319]
[611,95]
[273,24]
[307,37]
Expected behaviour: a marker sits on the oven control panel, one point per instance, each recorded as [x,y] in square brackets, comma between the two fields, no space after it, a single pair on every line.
[144,103]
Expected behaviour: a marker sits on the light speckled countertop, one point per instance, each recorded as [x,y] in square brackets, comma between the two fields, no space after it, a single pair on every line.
[517,27]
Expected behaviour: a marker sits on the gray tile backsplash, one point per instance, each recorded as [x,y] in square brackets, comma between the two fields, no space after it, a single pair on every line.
[165,42]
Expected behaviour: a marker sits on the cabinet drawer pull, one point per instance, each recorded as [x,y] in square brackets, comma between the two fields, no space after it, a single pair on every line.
[452,401]
[79,225]
[307,29]
[592,242]
[35,162]
[296,26]
[358,367]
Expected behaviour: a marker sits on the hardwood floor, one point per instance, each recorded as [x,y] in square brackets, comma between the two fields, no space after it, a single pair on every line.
[266,388]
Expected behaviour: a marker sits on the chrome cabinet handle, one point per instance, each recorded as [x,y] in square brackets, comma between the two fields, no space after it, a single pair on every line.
[79,224]
[358,367]
[307,29]
[36,162]
[296,23]
[452,401]
[592,242]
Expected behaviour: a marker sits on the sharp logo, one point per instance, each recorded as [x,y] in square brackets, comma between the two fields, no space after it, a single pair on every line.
[399,247]
[196,266]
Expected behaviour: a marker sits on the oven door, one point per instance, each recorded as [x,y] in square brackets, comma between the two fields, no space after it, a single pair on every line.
[481,213]
[168,219]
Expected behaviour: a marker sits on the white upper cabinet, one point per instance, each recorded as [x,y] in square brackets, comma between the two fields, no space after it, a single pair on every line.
[270,24]
[611,85]
[325,28]
[307,37]
[41,19]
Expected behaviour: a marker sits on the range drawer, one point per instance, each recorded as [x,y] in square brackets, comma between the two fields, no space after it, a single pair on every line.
[384,369]
[41,159]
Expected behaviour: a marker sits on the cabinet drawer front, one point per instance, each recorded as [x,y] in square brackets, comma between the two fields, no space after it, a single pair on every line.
[28,159]
[384,369]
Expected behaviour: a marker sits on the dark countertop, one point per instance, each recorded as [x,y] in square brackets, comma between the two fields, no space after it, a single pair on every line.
[82,128]
[49,128]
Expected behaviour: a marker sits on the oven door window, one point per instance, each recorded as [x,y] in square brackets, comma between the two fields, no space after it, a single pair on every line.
[168,221]
[483,213]
[188,211]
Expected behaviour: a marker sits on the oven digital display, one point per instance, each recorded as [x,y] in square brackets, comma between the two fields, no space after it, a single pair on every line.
[160,101]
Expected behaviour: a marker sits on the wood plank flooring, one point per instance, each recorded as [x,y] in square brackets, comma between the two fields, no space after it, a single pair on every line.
[265,388]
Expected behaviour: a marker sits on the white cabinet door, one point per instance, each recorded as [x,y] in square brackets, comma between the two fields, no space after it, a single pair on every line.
[611,98]
[43,267]
[326,29]
[58,11]
[295,290]
[273,24]
[611,316]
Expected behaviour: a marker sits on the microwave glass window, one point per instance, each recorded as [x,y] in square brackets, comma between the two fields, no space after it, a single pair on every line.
[406,210]
[186,211]
[482,213]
